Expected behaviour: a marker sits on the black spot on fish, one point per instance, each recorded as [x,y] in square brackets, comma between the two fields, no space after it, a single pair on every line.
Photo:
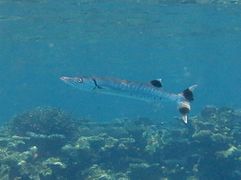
[187,93]
[184,110]
[156,83]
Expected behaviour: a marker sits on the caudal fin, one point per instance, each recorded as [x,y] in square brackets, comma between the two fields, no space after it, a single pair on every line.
[184,105]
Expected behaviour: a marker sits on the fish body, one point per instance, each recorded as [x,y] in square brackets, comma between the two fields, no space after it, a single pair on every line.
[149,92]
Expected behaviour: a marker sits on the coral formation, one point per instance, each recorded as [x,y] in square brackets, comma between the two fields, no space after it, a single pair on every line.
[43,120]
[48,144]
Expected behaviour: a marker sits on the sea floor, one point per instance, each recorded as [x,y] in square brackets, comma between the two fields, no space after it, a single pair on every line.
[47,143]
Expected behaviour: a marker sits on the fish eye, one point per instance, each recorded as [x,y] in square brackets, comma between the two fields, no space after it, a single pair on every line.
[80,80]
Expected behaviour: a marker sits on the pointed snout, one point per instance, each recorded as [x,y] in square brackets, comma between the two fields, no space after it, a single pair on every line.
[71,80]
[64,78]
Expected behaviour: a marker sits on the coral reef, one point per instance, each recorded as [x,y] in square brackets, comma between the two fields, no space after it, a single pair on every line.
[43,120]
[45,143]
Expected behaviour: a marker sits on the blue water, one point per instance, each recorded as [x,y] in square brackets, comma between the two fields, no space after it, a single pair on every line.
[182,43]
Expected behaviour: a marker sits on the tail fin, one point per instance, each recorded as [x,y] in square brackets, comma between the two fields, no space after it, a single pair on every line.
[184,106]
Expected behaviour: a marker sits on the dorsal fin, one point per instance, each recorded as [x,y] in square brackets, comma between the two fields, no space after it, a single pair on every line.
[156,83]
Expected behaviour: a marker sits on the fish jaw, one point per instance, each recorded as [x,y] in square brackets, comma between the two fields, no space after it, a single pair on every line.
[73,81]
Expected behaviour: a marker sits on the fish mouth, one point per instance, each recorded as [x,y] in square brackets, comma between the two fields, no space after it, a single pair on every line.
[64,78]
[71,80]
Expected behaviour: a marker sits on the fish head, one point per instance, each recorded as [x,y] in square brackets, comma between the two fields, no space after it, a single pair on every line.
[82,83]
[73,81]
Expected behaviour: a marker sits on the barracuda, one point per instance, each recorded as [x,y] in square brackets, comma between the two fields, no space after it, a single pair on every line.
[149,92]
